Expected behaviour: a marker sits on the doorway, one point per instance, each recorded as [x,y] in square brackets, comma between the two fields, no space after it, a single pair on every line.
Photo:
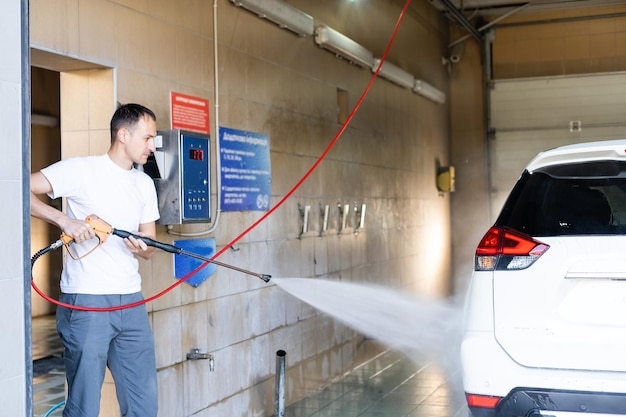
[72,101]
[45,150]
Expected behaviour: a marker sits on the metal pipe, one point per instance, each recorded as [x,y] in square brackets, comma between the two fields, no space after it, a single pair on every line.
[487,84]
[563,20]
[491,23]
[279,398]
[215,126]
[461,19]
[264,277]
[25,91]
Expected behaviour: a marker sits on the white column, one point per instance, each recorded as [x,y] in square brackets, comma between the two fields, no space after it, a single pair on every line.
[15,356]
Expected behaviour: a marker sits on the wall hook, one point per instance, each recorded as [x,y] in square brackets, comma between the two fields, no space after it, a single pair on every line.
[324,211]
[304,215]
[359,217]
[344,210]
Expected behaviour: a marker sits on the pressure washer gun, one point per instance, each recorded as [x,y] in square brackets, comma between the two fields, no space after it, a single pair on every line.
[104,230]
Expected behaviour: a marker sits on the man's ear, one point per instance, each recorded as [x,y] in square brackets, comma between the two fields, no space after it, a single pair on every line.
[122,135]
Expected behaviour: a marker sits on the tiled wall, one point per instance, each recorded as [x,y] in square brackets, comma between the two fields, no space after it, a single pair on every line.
[87,103]
[282,85]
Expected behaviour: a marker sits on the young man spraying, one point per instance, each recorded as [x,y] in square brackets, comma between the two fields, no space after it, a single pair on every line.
[109,187]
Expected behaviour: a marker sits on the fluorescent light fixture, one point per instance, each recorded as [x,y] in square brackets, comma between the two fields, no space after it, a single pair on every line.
[424,89]
[281,13]
[343,46]
[394,74]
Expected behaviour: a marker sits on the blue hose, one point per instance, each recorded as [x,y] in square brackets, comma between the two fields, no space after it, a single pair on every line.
[50,411]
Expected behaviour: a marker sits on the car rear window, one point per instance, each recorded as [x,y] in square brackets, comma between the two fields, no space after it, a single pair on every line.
[573,199]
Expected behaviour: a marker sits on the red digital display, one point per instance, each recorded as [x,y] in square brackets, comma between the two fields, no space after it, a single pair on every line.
[196,154]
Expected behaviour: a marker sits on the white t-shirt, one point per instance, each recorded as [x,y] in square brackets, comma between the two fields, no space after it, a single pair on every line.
[122,198]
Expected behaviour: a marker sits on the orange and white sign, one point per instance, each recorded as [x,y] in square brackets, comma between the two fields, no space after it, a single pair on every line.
[189,112]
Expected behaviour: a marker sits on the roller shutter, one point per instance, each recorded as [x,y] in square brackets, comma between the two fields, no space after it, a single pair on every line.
[534,114]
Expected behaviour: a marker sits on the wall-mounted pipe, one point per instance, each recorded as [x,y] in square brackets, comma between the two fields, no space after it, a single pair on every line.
[25,97]
[487,78]
[279,398]
[215,134]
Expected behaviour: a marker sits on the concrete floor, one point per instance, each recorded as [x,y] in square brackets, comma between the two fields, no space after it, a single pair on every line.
[388,385]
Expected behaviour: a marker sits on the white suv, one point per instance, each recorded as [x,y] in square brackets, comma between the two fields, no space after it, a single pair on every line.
[545,314]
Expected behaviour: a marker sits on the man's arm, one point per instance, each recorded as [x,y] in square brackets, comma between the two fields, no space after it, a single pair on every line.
[78,229]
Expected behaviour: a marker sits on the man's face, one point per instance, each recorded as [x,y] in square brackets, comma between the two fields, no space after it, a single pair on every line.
[140,143]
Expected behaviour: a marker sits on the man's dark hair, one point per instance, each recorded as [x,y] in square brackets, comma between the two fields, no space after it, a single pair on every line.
[128,115]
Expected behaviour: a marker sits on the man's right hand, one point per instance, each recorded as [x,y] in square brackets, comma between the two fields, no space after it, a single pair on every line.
[80,230]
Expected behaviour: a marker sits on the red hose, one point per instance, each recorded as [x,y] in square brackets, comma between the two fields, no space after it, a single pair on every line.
[269,212]
[135,304]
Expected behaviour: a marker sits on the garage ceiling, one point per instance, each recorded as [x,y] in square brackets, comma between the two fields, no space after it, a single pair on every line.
[477,15]
[500,7]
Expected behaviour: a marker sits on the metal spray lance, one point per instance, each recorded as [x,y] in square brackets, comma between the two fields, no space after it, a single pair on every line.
[103,230]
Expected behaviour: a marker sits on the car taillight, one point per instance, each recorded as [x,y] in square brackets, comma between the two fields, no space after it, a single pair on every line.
[482,401]
[506,249]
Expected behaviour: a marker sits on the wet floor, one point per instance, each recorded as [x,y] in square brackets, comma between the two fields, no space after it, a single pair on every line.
[48,369]
[389,385]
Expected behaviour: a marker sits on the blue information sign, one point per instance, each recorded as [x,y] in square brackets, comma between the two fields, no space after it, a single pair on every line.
[245,172]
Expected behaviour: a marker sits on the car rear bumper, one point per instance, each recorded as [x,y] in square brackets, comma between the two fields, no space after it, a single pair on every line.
[534,402]
[488,371]
[568,414]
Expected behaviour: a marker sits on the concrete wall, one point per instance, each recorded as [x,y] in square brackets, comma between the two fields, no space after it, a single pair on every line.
[282,85]
[470,201]
[14,297]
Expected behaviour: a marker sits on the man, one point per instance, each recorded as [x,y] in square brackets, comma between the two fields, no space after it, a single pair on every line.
[109,187]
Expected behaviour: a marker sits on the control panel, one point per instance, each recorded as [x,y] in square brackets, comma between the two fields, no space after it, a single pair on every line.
[180,168]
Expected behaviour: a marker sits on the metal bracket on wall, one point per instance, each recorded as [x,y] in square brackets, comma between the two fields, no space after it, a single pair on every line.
[344,211]
[359,217]
[324,212]
[304,216]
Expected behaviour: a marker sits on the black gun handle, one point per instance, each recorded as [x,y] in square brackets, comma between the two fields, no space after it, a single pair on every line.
[150,242]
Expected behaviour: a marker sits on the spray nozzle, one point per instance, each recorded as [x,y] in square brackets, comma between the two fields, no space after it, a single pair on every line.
[176,250]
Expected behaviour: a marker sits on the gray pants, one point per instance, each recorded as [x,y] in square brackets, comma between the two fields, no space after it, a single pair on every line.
[121,340]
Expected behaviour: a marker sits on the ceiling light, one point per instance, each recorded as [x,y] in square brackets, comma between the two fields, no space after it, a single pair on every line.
[394,74]
[343,46]
[426,90]
[281,13]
